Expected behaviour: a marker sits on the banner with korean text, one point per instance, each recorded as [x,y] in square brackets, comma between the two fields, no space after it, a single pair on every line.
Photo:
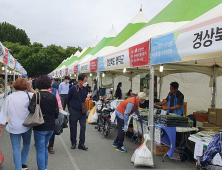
[200,41]
[75,69]
[93,65]
[85,67]
[139,55]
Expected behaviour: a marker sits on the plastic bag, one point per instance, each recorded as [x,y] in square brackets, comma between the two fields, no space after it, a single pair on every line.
[90,114]
[142,155]
[134,154]
[94,118]
[59,123]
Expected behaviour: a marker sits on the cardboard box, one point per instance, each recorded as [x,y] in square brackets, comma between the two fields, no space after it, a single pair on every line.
[161,150]
[200,117]
[215,116]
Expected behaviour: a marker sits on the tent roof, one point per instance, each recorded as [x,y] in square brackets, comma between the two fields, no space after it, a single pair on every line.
[111,34]
[76,56]
[183,10]
[139,18]
[136,24]
[171,18]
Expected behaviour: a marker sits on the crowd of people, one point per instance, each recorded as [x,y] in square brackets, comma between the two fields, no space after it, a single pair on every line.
[51,97]
[54,96]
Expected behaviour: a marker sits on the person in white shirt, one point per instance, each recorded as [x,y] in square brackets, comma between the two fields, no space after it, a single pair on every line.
[16,108]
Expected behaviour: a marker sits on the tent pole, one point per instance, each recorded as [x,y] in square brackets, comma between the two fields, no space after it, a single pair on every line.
[131,81]
[98,78]
[160,90]
[6,80]
[91,82]
[113,86]
[214,88]
[101,81]
[151,100]
[14,76]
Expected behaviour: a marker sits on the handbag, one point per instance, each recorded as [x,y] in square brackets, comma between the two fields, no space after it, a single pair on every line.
[36,118]
[83,105]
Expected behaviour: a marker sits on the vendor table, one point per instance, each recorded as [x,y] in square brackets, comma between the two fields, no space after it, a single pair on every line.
[168,137]
[216,160]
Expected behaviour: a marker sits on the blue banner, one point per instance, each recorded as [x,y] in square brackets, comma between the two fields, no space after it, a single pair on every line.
[16,65]
[79,71]
[164,50]
[100,64]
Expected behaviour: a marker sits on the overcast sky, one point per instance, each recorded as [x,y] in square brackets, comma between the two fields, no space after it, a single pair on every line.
[74,22]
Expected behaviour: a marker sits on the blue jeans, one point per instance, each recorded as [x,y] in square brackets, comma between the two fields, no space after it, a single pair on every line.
[41,141]
[20,157]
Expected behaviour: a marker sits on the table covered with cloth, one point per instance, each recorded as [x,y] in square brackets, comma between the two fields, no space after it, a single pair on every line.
[168,136]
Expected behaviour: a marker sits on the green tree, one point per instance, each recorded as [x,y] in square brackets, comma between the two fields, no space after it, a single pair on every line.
[12,34]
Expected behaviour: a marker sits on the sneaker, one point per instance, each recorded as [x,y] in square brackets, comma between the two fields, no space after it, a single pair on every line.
[122,149]
[25,167]
[115,145]
[50,150]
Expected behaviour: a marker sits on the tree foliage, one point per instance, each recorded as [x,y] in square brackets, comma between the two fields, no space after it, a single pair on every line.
[10,33]
[36,58]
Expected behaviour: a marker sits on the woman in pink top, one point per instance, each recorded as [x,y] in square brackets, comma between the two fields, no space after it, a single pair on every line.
[56,94]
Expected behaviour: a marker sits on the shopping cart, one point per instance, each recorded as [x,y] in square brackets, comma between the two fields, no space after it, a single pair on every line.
[137,129]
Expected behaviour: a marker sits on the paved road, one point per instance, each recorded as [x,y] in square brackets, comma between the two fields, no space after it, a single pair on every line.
[100,156]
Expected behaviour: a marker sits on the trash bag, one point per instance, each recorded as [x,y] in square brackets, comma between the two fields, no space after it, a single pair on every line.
[94,117]
[59,123]
[143,156]
[134,154]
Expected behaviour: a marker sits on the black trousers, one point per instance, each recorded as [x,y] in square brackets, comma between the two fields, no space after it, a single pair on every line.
[51,141]
[74,117]
[63,98]
[121,133]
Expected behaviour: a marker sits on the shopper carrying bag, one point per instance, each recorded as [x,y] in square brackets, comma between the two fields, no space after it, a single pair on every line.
[50,110]
[36,118]
[16,108]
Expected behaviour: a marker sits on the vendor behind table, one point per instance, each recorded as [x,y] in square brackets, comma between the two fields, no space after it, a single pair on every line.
[175,100]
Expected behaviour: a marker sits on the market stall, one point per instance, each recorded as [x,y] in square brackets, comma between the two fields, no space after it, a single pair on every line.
[185,46]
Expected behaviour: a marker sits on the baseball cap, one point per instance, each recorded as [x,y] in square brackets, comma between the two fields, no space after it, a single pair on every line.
[24,75]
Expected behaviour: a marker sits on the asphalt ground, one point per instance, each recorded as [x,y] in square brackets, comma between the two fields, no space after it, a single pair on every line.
[100,156]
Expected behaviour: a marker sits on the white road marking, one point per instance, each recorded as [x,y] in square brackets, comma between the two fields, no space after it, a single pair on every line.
[69,154]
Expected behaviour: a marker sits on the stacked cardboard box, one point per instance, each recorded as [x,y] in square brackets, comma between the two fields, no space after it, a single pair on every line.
[215,116]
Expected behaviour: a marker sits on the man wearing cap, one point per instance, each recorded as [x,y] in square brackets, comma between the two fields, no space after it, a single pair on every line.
[29,83]
[175,100]
[123,111]
[63,91]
